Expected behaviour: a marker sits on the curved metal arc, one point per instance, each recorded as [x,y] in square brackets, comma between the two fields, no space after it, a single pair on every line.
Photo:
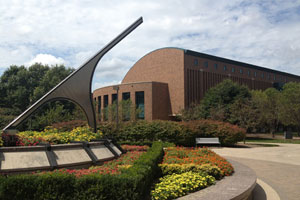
[69,83]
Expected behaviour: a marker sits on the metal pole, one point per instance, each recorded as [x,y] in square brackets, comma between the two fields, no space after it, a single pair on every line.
[117,108]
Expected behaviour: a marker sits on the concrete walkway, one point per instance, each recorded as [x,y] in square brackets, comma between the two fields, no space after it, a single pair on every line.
[277,169]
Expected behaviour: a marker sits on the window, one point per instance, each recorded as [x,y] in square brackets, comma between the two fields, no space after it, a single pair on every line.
[232,70]
[125,95]
[248,73]
[139,102]
[274,77]
[105,110]
[206,64]
[114,98]
[255,74]
[241,71]
[196,62]
[126,106]
[216,66]
[225,68]
[268,76]
[99,105]
[262,75]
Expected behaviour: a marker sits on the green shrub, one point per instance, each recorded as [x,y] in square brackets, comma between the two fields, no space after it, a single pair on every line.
[1,141]
[177,185]
[204,169]
[45,186]
[227,133]
[183,133]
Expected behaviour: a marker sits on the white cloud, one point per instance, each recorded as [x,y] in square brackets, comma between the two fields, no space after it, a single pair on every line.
[260,32]
[104,84]
[46,59]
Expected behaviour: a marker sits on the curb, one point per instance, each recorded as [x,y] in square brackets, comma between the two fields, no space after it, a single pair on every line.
[238,186]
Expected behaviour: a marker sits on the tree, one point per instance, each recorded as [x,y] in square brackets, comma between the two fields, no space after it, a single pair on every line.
[271,110]
[20,87]
[246,113]
[290,105]
[222,96]
[127,111]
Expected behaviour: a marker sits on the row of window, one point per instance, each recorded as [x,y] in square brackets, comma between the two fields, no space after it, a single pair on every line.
[241,71]
[139,102]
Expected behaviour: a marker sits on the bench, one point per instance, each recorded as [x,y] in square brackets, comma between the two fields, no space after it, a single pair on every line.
[207,141]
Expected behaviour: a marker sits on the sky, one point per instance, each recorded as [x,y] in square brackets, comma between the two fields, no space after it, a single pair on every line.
[261,32]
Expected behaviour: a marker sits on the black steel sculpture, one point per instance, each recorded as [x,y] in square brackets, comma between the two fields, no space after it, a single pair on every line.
[77,86]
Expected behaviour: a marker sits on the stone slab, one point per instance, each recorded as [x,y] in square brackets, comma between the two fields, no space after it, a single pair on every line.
[102,152]
[21,160]
[116,149]
[71,156]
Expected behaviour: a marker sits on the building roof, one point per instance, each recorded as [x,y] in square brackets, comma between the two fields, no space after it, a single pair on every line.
[233,62]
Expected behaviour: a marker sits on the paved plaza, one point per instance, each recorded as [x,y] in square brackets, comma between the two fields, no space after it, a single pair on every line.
[277,169]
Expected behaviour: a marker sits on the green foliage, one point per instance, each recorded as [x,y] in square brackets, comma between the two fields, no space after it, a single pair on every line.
[132,184]
[126,111]
[1,141]
[20,87]
[217,100]
[144,132]
[6,116]
[253,110]
[68,125]
[204,169]
[290,105]
[177,185]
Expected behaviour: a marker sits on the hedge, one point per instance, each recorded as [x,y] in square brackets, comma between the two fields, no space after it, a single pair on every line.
[132,183]
[179,133]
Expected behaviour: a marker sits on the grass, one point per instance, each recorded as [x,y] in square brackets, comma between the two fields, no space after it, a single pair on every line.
[270,140]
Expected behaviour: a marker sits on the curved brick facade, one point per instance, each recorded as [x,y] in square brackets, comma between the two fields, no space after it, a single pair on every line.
[173,79]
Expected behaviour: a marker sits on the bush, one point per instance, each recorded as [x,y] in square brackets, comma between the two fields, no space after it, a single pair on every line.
[177,185]
[227,133]
[204,169]
[1,141]
[183,133]
[69,125]
[133,183]
[45,186]
[54,136]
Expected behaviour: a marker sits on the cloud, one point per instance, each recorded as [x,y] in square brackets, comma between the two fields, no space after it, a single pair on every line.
[104,84]
[260,32]
[46,59]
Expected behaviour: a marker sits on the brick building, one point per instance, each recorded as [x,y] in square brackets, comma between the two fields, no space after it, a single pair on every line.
[170,79]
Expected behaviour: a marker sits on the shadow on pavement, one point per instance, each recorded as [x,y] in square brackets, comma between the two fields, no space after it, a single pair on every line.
[259,193]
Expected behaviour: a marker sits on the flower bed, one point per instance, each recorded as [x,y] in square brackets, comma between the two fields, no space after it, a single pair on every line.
[187,170]
[199,156]
[110,167]
[177,185]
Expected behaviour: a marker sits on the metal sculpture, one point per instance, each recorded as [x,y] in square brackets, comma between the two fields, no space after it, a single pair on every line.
[77,86]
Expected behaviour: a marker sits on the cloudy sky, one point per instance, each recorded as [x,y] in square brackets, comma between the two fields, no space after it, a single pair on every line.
[260,32]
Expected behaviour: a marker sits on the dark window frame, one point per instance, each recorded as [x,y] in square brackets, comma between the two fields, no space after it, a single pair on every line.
[140,105]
